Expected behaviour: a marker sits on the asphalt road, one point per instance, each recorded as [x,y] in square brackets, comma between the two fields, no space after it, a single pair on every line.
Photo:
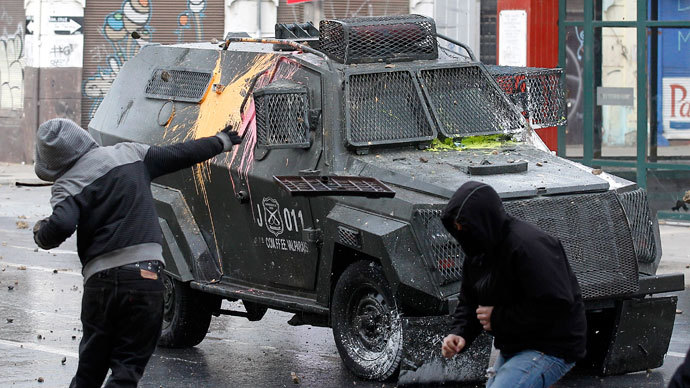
[40,328]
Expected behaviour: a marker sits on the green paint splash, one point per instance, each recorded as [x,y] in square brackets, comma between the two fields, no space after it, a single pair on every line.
[470,143]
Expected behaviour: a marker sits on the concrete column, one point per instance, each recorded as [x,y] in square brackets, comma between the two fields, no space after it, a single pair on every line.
[54,56]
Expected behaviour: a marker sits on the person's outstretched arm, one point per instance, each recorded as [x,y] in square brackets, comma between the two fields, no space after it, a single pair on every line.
[161,160]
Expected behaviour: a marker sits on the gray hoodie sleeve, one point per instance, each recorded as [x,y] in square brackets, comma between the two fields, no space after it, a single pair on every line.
[59,226]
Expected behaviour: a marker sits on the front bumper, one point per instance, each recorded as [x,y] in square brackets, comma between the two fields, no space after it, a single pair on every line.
[625,334]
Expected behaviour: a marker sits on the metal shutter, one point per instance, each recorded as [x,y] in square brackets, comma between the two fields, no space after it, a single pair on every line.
[108,44]
[339,8]
[343,8]
[12,58]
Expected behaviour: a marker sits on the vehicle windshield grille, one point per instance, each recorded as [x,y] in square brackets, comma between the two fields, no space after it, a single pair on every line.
[537,92]
[385,108]
[465,101]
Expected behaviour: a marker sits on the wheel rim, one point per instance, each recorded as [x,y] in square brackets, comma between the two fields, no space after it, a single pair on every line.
[372,323]
[168,300]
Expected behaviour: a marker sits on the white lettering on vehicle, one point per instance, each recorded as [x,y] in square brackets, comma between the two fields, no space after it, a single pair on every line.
[284,244]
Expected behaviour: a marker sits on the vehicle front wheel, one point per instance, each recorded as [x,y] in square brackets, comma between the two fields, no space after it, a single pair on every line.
[366,323]
[186,314]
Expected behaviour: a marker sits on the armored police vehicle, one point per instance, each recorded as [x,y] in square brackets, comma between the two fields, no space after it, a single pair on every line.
[354,138]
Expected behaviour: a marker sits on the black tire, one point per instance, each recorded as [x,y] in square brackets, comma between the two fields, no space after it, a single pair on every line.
[186,314]
[366,324]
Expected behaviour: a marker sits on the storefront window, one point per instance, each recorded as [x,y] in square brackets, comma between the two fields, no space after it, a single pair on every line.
[574,50]
[574,10]
[669,10]
[669,85]
[615,106]
[615,10]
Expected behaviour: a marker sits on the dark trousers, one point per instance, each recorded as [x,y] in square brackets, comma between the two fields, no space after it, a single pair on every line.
[122,314]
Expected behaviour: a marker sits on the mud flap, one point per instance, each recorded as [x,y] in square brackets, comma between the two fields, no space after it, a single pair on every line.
[642,333]
[422,362]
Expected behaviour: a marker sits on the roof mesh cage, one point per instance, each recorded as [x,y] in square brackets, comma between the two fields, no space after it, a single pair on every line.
[379,39]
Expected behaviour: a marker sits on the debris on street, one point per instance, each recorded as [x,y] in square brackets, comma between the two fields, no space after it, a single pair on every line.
[295,379]
[22,225]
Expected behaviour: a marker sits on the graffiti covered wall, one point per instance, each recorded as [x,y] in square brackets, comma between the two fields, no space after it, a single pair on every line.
[14,142]
[12,69]
[115,33]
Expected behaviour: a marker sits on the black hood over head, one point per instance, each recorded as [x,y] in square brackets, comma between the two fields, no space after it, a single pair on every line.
[478,208]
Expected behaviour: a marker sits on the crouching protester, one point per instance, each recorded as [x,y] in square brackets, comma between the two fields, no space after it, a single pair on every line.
[518,286]
[104,193]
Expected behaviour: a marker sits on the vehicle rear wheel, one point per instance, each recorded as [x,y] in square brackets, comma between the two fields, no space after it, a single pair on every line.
[186,314]
[366,323]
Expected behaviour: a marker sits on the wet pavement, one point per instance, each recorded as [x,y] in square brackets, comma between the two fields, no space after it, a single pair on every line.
[40,328]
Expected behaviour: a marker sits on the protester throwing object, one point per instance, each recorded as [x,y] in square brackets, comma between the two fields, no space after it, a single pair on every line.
[518,286]
[104,193]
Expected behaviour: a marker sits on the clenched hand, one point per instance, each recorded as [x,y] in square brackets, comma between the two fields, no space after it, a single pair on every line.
[452,345]
[484,316]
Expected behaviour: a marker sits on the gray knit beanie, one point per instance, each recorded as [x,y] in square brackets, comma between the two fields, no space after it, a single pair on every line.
[59,144]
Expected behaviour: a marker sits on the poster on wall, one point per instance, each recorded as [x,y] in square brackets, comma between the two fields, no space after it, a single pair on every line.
[512,38]
[676,107]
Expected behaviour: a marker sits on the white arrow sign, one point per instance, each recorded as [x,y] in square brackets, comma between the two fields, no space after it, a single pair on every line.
[66,24]
[30,27]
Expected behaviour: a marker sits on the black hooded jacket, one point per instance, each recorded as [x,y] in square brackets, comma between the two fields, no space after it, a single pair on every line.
[519,270]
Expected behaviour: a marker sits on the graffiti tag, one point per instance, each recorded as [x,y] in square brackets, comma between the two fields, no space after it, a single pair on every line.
[12,70]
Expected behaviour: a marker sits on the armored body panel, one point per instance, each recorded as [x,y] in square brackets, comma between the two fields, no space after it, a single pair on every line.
[347,161]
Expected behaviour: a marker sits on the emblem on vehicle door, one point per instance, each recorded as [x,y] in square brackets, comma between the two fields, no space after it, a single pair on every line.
[274,223]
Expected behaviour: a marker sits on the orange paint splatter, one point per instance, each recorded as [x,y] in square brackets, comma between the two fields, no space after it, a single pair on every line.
[217,111]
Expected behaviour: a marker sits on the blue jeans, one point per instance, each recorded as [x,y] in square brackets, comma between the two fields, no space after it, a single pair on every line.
[527,369]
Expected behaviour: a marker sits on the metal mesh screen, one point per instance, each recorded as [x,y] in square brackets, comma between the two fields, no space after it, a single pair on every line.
[281,120]
[334,185]
[374,39]
[178,85]
[349,237]
[595,235]
[385,108]
[465,102]
[537,92]
[641,224]
[591,227]
[444,252]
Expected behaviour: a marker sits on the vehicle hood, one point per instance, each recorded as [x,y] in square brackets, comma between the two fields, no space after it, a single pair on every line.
[441,173]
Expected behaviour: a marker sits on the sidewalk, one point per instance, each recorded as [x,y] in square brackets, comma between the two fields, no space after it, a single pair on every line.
[11,173]
[675,236]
